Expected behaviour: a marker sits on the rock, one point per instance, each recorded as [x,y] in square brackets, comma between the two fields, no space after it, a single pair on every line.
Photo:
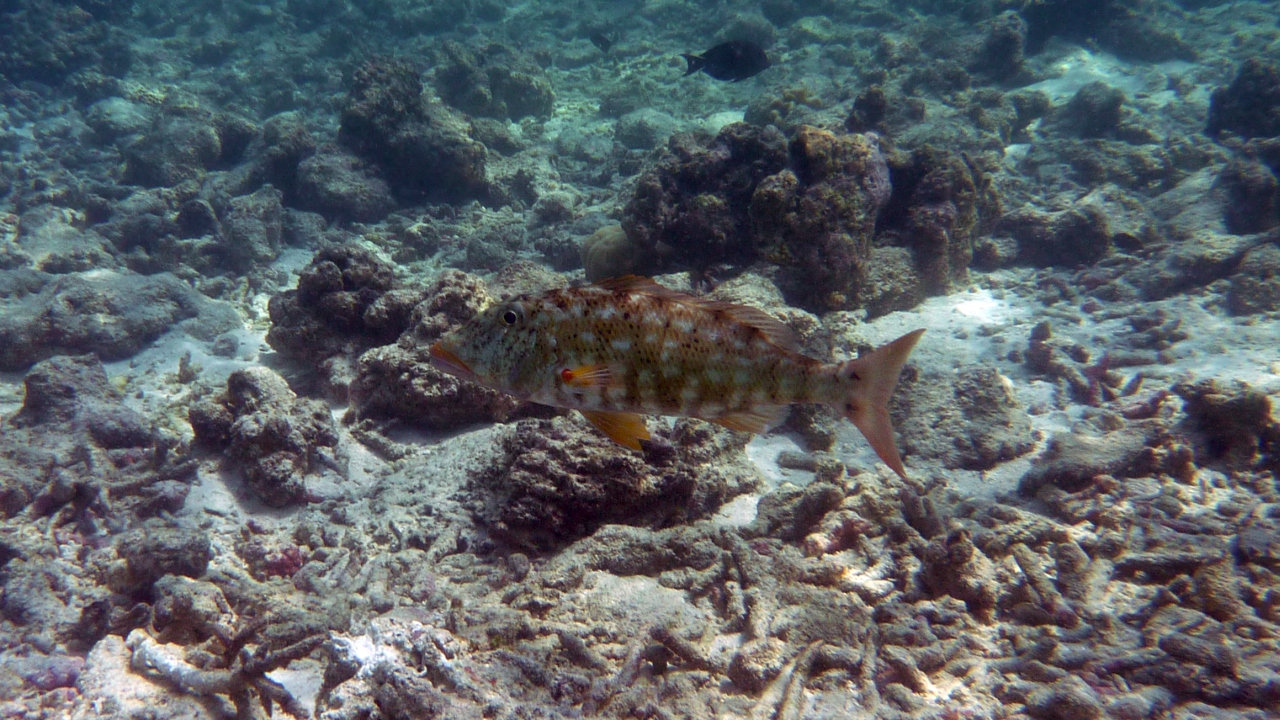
[644,129]
[251,229]
[557,480]
[608,253]
[175,148]
[1253,197]
[1067,699]
[1255,287]
[1093,112]
[116,118]
[187,611]
[339,186]
[953,566]
[970,420]
[758,662]
[1250,105]
[48,43]
[286,142]
[49,237]
[109,677]
[66,389]
[498,82]
[346,302]
[273,435]
[939,203]
[112,314]
[1233,424]
[703,190]
[1080,235]
[810,205]
[423,149]
[395,383]
[398,381]
[158,548]
[999,55]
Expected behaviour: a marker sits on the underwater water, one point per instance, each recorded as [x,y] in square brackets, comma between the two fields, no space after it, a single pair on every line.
[280,281]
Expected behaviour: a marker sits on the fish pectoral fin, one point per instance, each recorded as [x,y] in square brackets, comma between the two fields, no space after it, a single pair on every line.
[626,429]
[752,421]
[585,376]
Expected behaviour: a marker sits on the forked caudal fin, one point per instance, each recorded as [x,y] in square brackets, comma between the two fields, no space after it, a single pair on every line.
[870,380]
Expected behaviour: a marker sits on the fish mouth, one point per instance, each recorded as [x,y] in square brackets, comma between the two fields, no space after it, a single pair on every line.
[443,359]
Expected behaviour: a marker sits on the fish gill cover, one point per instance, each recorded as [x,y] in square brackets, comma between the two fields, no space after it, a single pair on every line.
[233,480]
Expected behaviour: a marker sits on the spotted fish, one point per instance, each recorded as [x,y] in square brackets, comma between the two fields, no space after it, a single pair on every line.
[628,346]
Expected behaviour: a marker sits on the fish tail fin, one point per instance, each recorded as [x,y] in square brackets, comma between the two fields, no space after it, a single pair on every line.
[869,382]
[696,63]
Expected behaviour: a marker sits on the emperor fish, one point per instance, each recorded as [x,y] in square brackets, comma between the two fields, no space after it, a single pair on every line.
[628,346]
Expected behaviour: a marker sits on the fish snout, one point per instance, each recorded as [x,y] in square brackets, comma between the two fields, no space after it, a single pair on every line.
[444,359]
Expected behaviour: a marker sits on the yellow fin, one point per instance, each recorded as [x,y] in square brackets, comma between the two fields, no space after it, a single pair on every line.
[626,429]
[585,376]
[755,421]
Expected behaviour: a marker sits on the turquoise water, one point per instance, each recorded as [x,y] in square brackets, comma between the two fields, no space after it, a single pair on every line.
[232,482]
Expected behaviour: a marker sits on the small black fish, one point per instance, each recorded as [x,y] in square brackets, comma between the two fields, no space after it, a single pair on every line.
[734,60]
[601,40]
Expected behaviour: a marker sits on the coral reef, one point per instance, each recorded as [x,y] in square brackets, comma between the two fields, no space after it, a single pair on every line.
[397,382]
[275,437]
[971,420]
[608,252]
[1247,107]
[112,314]
[1088,231]
[424,150]
[809,205]
[495,81]
[346,302]
[558,480]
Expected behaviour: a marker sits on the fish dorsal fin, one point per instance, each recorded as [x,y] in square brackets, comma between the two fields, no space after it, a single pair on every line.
[636,284]
[626,429]
[772,328]
[752,421]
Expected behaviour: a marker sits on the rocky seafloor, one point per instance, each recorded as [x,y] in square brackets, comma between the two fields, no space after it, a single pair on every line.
[232,486]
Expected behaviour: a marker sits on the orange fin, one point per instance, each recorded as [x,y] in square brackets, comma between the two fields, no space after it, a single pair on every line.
[774,329]
[626,429]
[871,379]
[755,421]
[585,376]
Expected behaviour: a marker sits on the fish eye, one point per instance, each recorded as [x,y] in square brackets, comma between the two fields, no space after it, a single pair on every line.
[512,315]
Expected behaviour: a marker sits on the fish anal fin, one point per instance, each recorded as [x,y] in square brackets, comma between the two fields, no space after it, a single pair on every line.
[588,376]
[753,421]
[626,429]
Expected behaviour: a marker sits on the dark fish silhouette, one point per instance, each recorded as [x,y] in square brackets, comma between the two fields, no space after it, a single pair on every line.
[601,40]
[734,60]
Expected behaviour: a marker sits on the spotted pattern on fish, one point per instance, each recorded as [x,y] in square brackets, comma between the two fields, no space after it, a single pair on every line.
[628,346]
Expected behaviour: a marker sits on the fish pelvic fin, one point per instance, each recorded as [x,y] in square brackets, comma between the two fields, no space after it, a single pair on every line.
[696,63]
[869,382]
[626,429]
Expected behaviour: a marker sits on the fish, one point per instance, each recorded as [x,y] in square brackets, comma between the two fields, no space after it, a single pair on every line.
[601,40]
[733,61]
[627,347]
